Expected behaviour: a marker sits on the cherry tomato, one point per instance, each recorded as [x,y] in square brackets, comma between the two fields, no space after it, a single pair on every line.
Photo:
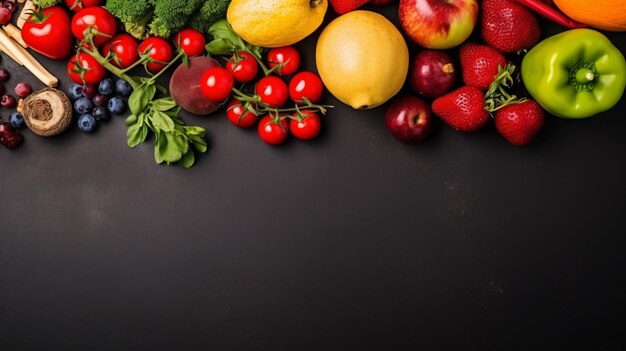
[190,41]
[93,72]
[244,67]
[305,84]
[52,37]
[124,47]
[273,132]
[288,56]
[77,5]
[216,84]
[307,127]
[98,18]
[160,51]
[272,91]
[237,116]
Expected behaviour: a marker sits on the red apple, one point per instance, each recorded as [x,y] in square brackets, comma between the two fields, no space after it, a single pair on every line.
[408,119]
[438,24]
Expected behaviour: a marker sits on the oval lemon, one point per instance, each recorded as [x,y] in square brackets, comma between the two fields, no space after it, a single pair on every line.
[362,59]
[275,23]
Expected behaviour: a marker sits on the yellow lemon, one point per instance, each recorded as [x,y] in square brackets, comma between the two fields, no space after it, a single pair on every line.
[362,59]
[275,23]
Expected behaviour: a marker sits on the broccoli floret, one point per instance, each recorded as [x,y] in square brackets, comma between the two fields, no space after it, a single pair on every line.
[134,15]
[44,4]
[210,12]
[171,16]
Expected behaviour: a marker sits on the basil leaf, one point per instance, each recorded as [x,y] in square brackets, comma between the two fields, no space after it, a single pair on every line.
[132,119]
[220,47]
[136,134]
[159,140]
[139,99]
[162,121]
[168,149]
[164,104]
[188,159]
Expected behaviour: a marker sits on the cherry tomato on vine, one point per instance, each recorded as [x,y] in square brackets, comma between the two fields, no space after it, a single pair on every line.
[237,116]
[273,132]
[244,67]
[49,33]
[272,91]
[92,71]
[287,56]
[99,19]
[216,84]
[160,50]
[190,41]
[307,127]
[124,47]
[305,84]
[77,5]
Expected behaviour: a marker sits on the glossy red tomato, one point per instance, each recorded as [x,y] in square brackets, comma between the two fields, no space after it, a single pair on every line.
[77,5]
[86,71]
[307,127]
[287,56]
[272,91]
[159,50]
[238,116]
[216,84]
[306,84]
[243,66]
[125,50]
[273,132]
[49,35]
[98,19]
[190,41]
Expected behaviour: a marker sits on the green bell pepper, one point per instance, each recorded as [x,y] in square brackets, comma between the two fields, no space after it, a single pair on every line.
[575,74]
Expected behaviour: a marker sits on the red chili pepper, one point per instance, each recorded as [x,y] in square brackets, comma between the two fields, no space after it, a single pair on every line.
[551,13]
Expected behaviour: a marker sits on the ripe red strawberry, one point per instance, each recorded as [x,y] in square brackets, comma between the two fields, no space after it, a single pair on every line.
[508,26]
[462,109]
[479,64]
[519,123]
[345,6]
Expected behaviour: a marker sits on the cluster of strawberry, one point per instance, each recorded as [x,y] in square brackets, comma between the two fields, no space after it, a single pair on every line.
[488,76]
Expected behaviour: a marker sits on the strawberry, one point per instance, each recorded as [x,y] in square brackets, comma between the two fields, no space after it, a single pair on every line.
[519,123]
[345,6]
[479,64]
[462,109]
[508,26]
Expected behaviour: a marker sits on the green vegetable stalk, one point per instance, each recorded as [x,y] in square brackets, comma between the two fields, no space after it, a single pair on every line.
[173,140]
[44,4]
[575,74]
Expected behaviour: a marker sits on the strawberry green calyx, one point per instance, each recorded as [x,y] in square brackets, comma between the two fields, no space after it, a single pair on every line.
[497,96]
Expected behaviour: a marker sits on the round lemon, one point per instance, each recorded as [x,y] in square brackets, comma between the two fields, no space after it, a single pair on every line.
[275,23]
[362,59]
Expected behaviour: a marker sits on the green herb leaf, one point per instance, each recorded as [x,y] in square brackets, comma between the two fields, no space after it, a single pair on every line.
[130,120]
[162,121]
[188,159]
[139,99]
[136,134]
[164,104]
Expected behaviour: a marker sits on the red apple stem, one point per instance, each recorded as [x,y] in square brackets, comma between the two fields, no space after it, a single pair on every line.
[550,13]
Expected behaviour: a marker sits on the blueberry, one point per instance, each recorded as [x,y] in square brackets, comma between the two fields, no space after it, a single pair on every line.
[117,105]
[75,92]
[83,105]
[100,100]
[123,88]
[87,123]
[100,113]
[106,87]
[16,120]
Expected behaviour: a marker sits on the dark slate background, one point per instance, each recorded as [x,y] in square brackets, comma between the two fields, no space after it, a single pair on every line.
[352,241]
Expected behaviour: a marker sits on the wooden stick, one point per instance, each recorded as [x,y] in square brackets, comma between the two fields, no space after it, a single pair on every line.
[28,60]
[4,49]
[16,34]
[28,5]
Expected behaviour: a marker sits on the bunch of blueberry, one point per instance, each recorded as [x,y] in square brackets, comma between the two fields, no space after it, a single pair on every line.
[94,104]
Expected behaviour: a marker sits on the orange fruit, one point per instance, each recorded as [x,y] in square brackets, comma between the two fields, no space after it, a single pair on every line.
[608,15]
